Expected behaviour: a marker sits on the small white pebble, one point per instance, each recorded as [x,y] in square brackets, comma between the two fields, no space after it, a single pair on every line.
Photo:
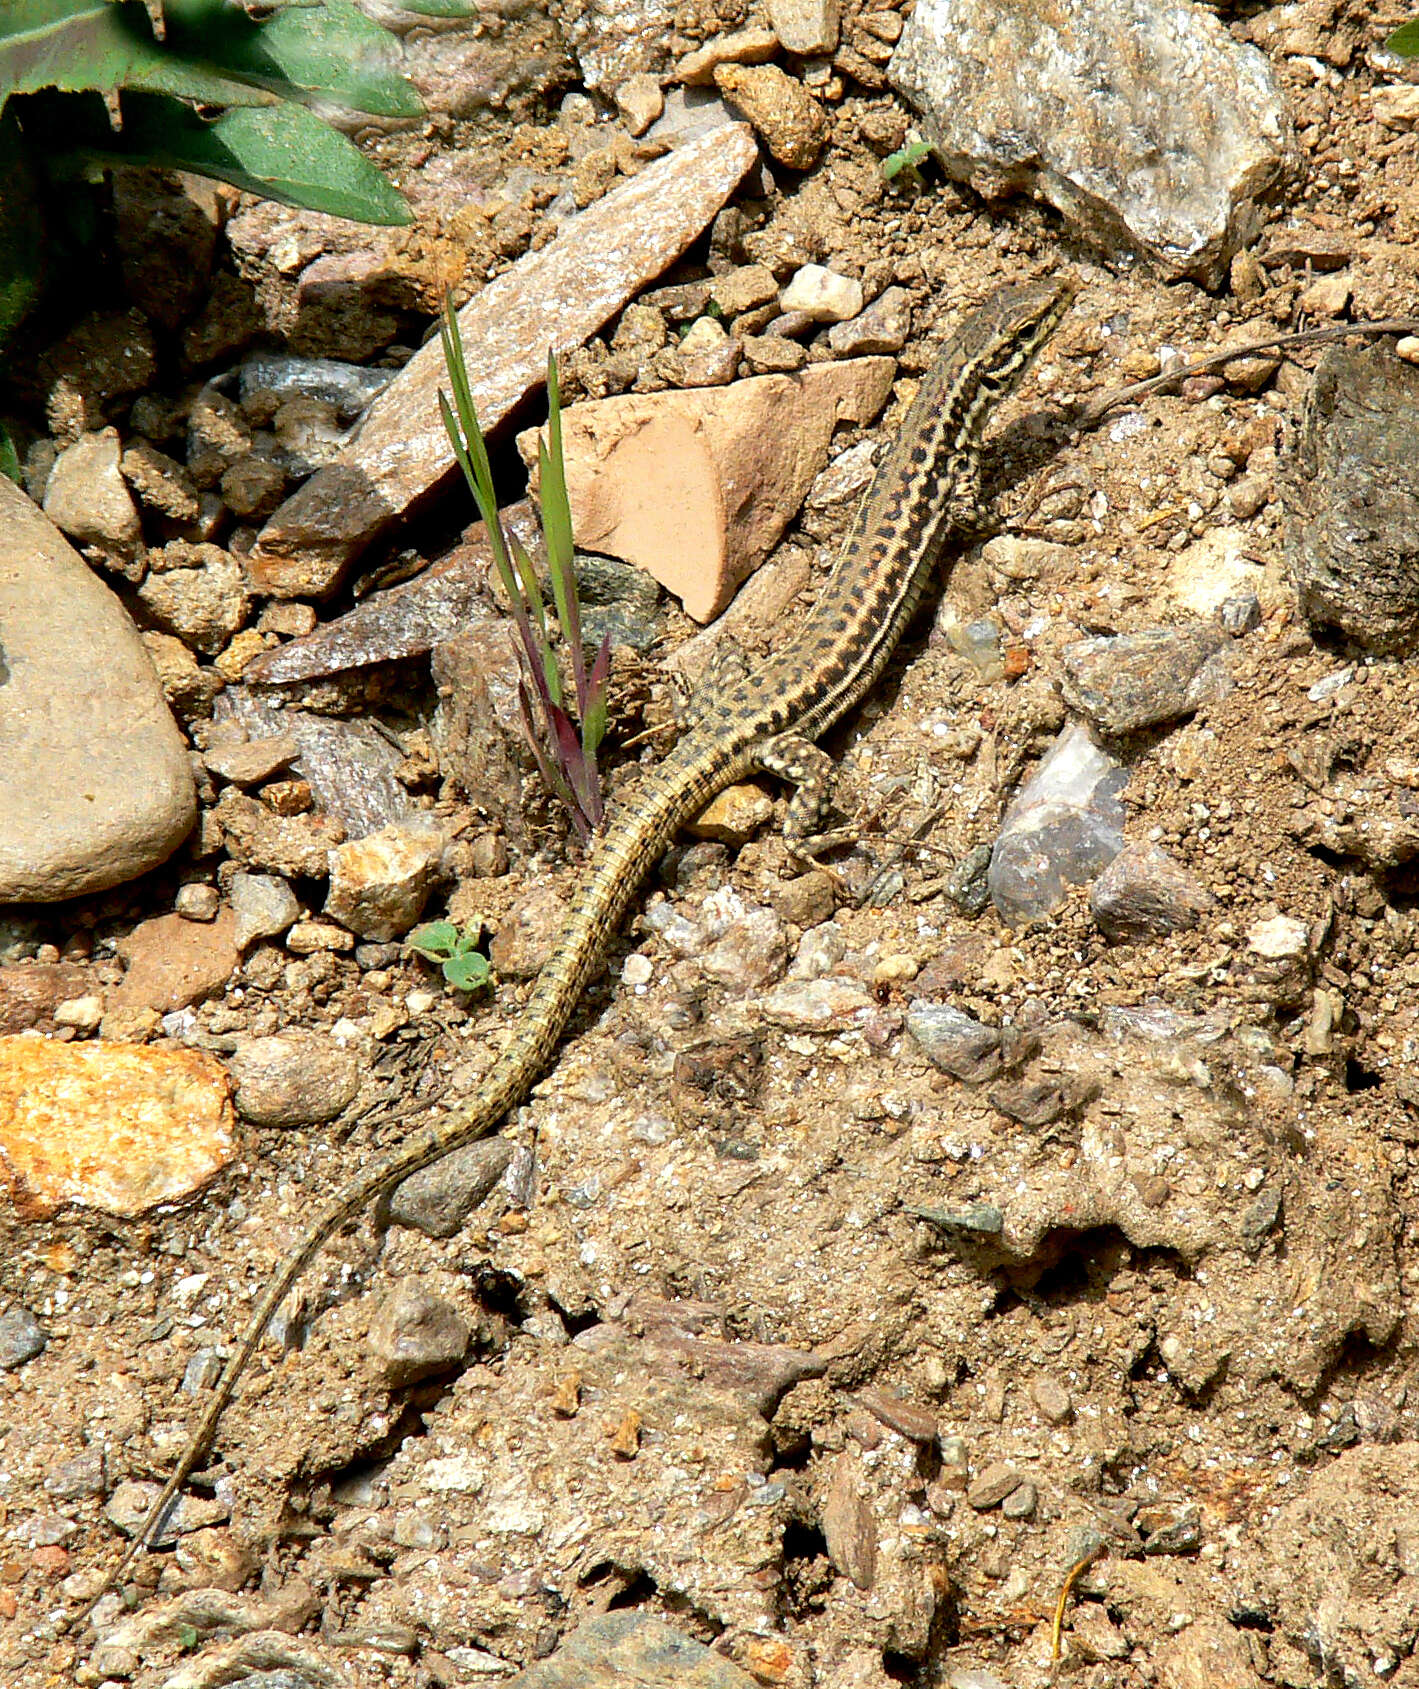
[420,1002]
[82,1013]
[637,969]
[1408,348]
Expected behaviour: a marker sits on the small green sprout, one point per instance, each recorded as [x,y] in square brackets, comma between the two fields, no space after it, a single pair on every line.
[905,159]
[1405,40]
[455,951]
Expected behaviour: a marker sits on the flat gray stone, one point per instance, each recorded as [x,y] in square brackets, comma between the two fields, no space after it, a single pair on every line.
[1144,123]
[95,786]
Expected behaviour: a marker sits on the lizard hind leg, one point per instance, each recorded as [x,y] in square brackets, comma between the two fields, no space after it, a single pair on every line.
[810,770]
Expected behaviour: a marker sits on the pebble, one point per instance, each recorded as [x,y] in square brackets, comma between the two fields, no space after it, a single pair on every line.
[1126,682]
[785,116]
[106,1125]
[87,498]
[307,937]
[415,1334]
[823,295]
[1145,892]
[263,906]
[1240,615]
[806,27]
[293,1079]
[1020,1503]
[1052,1399]
[84,1014]
[196,901]
[749,952]
[882,328]
[639,101]
[197,592]
[105,357]
[77,1478]
[991,1485]
[173,963]
[706,356]
[159,481]
[379,884]
[632,1646]
[735,815]
[21,1337]
[250,762]
[819,1005]
[95,784]
[1278,937]
[188,687]
[953,1041]
[524,940]
[741,289]
[771,354]
[438,1199]
[744,47]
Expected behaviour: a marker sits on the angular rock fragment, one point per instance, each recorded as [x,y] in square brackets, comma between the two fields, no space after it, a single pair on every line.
[662,479]
[1144,123]
[1144,892]
[1126,682]
[1350,489]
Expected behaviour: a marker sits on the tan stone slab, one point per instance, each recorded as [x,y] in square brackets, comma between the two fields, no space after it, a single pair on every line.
[95,786]
[696,487]
[119,1127]
[554,297]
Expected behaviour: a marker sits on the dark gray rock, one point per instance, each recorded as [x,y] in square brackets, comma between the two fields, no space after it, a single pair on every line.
[21,1337]
[1126,682]
[1350,491]
[1144,892]
[954,1042]
[436,1200]
[620,1649]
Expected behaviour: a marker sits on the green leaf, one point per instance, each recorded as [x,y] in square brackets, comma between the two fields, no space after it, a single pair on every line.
[1405,40]
[467,973]
[78,45]
[284,153]
[9,457]
[332,52]
[434,940]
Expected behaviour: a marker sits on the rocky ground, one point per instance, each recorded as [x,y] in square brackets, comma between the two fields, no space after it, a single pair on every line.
[1017,1219]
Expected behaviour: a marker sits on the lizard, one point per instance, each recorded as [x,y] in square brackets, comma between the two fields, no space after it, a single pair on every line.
[926,484]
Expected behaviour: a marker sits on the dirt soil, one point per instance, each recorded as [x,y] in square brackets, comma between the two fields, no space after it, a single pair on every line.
[724,1364]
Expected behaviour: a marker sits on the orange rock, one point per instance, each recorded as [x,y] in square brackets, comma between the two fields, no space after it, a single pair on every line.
[696,487]
[118,1127]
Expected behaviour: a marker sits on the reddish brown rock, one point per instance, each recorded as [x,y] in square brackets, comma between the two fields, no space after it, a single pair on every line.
[696,488]
[31,991]
[173,963]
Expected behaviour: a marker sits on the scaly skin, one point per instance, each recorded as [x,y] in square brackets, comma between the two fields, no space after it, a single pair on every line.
[926,482]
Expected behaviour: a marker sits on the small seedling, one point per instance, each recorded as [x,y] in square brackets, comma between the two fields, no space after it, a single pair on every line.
[455,952]
[1405,40]
[905,161]
[565,754]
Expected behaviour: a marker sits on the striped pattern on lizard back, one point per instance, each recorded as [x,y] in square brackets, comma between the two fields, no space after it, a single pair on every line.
[927,478]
